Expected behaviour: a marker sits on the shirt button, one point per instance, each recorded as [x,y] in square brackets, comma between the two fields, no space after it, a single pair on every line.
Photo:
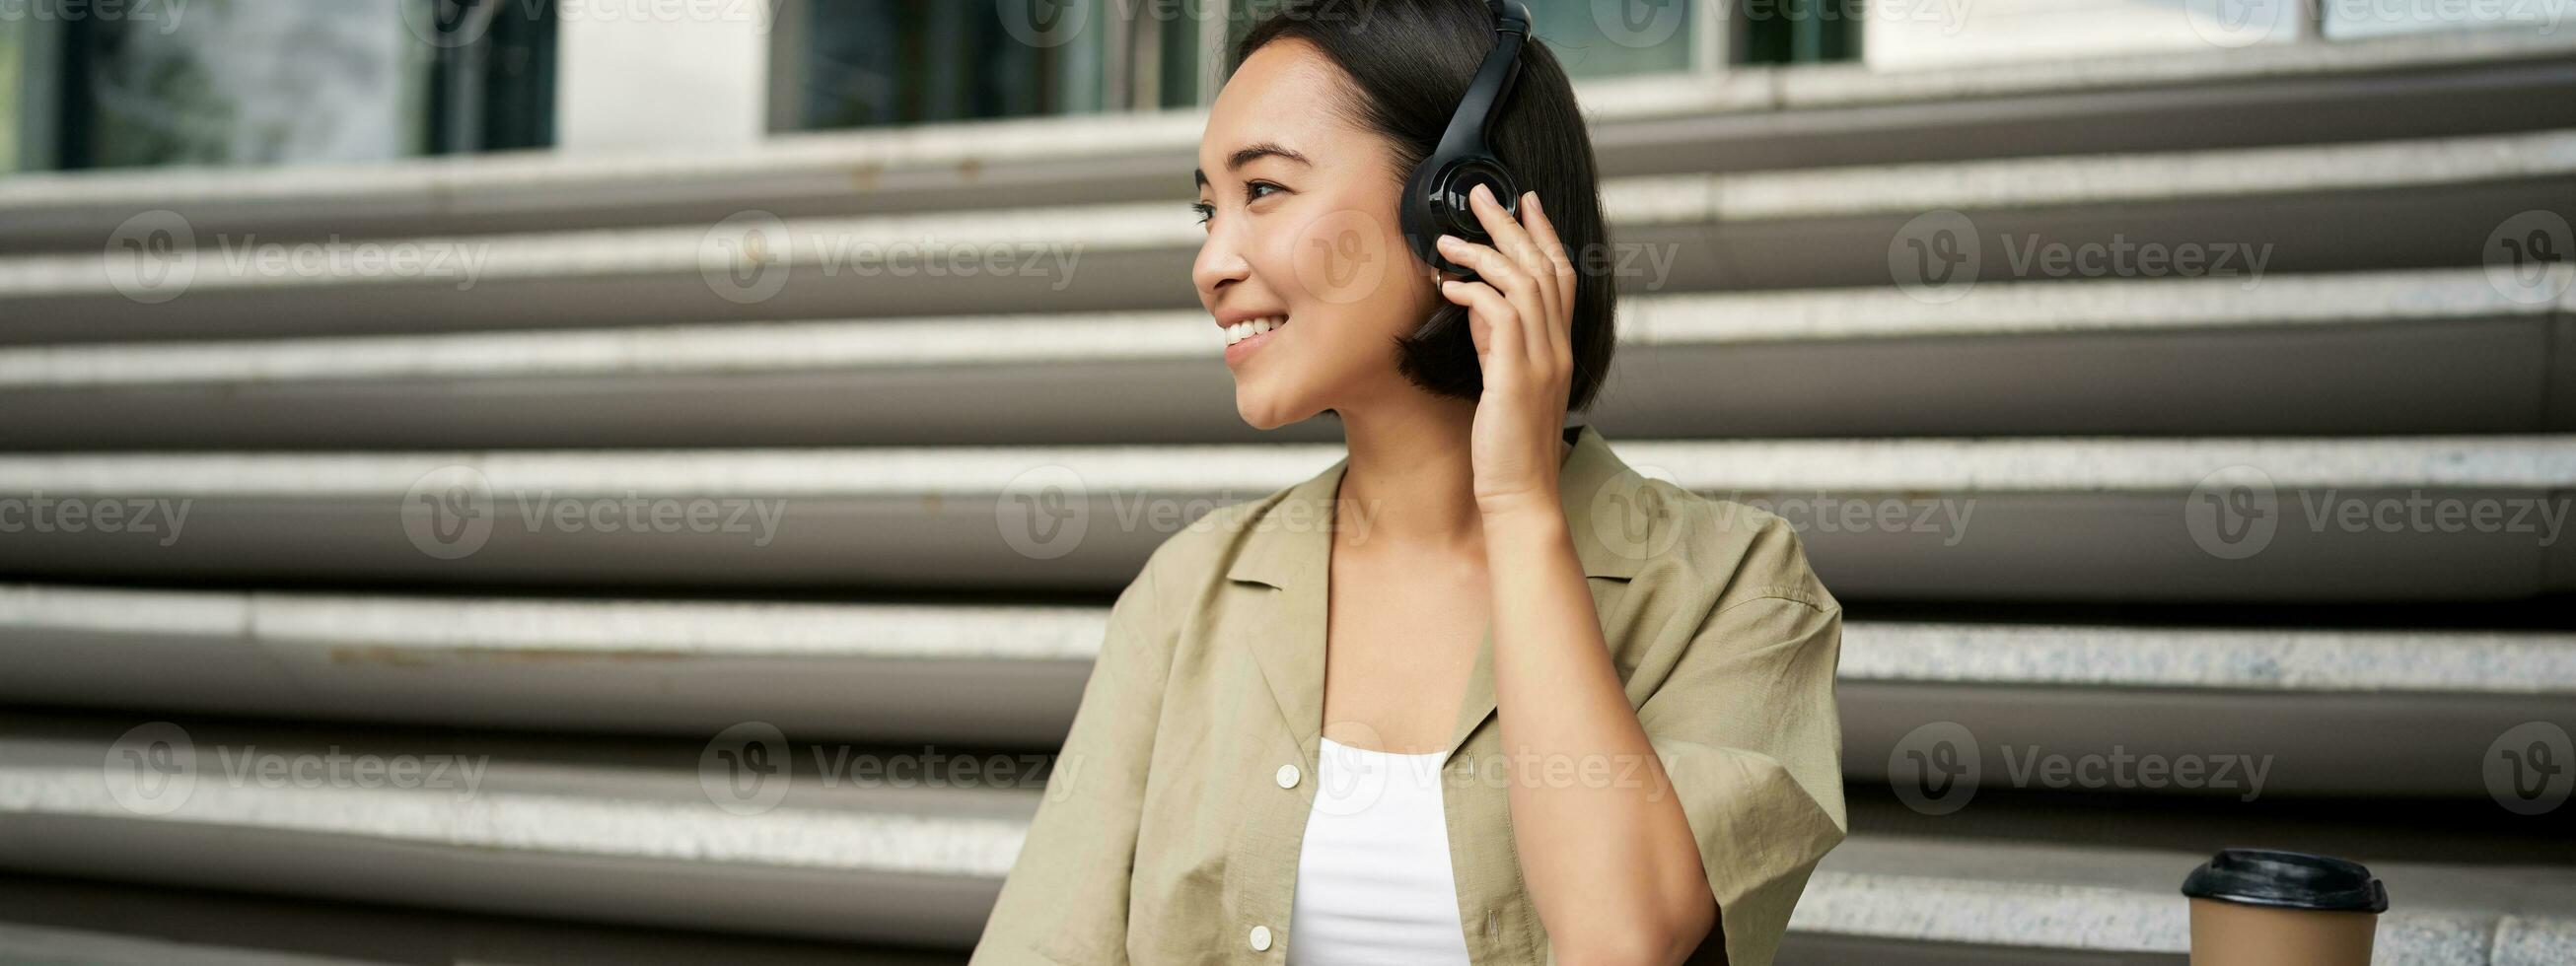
[1490,924]
[1287,776]
[1260,939]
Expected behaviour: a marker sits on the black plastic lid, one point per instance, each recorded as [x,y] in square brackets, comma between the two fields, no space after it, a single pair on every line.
[2290,880]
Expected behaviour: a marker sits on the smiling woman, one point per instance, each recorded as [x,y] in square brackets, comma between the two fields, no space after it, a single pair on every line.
[1315,134]
[1478,693]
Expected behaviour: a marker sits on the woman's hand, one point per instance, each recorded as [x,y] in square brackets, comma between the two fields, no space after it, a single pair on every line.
[1522,318]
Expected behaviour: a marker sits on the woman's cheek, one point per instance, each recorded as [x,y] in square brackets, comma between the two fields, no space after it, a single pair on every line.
[1346,256]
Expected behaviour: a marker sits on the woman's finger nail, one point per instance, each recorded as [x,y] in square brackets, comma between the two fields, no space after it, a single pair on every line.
[1448,241]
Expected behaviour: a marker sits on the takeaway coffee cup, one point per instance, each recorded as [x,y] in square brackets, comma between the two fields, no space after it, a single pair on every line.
[2261,907]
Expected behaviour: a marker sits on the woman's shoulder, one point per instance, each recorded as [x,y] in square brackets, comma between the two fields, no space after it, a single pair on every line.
[1739,551]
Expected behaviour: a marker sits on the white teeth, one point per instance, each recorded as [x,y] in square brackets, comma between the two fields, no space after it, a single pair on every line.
[1245,330]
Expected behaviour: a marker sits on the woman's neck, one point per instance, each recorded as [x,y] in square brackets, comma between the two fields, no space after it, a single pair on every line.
[1411,480]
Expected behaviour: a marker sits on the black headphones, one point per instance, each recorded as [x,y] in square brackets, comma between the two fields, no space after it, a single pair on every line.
[1435,198]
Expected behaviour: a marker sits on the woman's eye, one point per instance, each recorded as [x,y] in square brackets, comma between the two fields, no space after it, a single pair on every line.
[1205,210]
[1252,191]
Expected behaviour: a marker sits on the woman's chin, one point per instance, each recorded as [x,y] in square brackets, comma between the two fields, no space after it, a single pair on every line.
[1262,412]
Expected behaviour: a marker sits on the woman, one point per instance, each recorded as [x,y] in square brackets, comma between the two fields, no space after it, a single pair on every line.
[1478,692]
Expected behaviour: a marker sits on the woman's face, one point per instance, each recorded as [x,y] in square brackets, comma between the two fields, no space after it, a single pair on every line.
[1301,226]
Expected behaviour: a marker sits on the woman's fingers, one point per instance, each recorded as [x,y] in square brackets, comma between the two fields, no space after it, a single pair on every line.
[1529,301]
[1503,342]
[1544,231]
[1512,240]
[1505,275]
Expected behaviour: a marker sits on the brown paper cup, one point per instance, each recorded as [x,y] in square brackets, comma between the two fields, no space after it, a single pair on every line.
[2231,934]
[2265,907]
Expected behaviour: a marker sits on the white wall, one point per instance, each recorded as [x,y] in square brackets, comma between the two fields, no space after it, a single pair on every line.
[1899,34]
[662,74]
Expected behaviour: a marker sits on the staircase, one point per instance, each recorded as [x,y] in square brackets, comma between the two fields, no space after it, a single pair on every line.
[489,555]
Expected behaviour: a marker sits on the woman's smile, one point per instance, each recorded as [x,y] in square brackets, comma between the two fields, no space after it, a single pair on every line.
[1242,339]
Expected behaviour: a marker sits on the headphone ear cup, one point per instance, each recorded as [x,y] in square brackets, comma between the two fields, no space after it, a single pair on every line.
[1420,224]
[1436,202]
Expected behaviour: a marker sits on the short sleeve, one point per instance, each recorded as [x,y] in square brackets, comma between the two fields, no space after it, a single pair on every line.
[1747,730]
[1065,899]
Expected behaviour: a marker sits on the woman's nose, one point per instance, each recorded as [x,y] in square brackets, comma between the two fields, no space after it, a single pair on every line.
[1220,263]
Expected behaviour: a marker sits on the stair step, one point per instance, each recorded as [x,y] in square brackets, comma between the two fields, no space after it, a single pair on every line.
[2437,351]
[74,922]
[633,842]
[2341,712]
[1746,118]
[2024,520]
[2237,214]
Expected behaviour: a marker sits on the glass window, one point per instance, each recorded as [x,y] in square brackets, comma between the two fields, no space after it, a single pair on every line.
[1185,64]
[229,82]
[492,85]
[1799,31]
[1592,38]
[246,82]
[861,63]
[13,92]
[1607,38]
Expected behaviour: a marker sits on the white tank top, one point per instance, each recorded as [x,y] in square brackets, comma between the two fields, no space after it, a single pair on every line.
[1373,881]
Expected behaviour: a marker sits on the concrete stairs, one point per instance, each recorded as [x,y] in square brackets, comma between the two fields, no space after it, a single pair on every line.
[2305,514]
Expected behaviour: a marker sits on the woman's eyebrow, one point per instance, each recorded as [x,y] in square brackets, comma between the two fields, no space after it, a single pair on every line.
[1251,153]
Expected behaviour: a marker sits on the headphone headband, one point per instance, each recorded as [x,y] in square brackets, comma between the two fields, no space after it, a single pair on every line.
[1483,104]
[1435,201]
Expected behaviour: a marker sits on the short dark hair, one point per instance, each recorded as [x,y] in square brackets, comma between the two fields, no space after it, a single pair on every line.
[1410,61]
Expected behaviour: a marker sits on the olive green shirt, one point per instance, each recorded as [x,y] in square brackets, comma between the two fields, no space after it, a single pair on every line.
[1170,829]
